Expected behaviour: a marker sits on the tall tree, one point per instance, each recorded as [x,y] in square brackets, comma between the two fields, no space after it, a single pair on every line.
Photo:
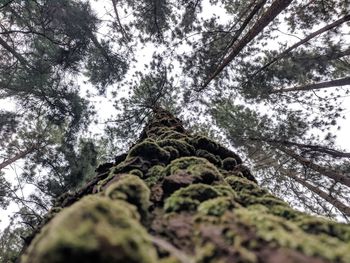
[273,148]
[290,58]
[182,198]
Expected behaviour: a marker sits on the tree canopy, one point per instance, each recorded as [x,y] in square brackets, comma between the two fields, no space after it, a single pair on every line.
[79,79]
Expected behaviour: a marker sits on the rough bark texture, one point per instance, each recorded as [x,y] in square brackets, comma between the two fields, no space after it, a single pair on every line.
[316,86]
[177,197]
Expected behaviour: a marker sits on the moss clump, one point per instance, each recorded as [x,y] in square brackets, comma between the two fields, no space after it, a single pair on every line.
[174,153]
[150,151]
[154,174]
[199,168]
[238,184]
[132,163]
[229,163]
[170,259]
[278,232]
[258,192]
[225,190]
[94,229]
[172,134]
[320,226]
[104,181]
[188,198]
[217,206]
[209,156]
[270,201]
[136,172]
[202,142]
[179,203]
[161,133]
[183,148]
[131,189]
[284,211]
[246,199]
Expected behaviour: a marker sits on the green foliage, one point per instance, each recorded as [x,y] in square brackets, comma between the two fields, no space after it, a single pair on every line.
[264,139]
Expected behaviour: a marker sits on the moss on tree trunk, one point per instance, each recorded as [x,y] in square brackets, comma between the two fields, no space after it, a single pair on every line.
[177,197]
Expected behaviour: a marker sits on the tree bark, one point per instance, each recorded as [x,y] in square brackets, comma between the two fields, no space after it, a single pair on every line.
[19,57]
[177,197]
[125,35]
[245,23]
[338,177]
[18,156]
[274,10]
[315,86]
[311,147]
[269,162]
[330,199]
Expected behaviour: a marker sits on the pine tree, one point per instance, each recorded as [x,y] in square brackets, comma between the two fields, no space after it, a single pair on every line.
[179,197]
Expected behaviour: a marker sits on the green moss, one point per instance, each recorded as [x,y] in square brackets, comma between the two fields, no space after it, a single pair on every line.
[229,163]
[104,181]
[202,142]
[183,148]
[270,201]
[174,153]
[217,206]
[246,199]
[188,198]
[170,259]
[132,189]
[149,151]
[161,133]
[136,172]
[179,203]
[283,211]
[132,165]
[199,168]
[225,190]
[94,229]
[171,134]
[156,131]
[281,233]
[209,156]
[238,184]
[208,253]
[320,226]
[257,192]
[154,174]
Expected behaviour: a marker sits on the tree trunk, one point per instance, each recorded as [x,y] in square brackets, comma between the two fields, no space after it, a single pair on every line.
[315,86]
[19,57]
[305,147]
[274,10]
[334,201]
[336,176]
[176,197]
[18,156]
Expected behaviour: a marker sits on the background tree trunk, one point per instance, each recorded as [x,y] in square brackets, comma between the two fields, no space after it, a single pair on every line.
[176,197]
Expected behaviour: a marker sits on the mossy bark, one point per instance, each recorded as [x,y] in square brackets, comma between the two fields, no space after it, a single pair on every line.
[177,197]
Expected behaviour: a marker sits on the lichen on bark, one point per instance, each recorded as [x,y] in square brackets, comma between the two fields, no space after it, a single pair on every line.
[177,197]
